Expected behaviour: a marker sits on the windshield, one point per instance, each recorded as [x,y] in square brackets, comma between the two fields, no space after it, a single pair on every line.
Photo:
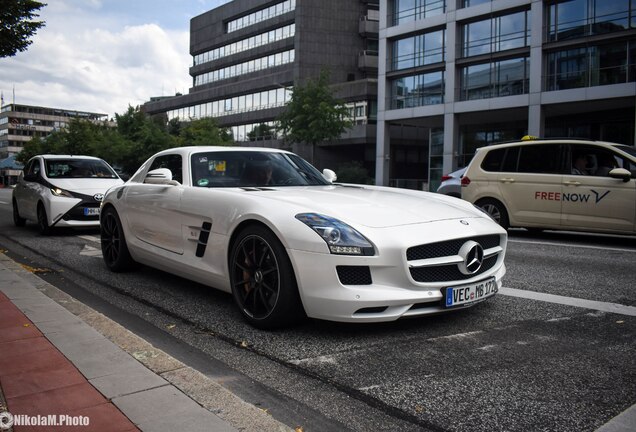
[627,149]
[252,169]
[78,168]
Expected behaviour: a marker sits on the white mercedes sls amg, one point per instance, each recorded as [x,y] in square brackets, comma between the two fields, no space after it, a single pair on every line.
[288,242]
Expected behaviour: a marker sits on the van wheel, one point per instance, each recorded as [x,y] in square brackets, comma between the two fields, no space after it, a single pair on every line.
[17,220]
[496,210]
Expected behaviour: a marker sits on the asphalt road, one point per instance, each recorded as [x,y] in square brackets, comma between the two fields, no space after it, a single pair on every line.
[543,355]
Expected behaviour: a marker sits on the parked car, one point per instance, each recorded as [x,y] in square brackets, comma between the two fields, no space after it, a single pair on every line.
[286,241]
[557,184]
[451,183]
[62,191]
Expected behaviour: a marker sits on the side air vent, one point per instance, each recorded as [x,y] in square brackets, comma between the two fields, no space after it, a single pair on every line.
[354,275]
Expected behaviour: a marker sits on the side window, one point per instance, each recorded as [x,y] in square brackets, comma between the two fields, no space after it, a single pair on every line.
[492,161]
[593,161]
[32,168]
[540,159]
[172,162]
[511,160]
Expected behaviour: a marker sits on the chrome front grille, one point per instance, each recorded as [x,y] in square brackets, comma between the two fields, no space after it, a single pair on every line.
[439,262]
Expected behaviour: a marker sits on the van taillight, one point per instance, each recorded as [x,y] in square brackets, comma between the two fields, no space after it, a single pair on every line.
[465,181]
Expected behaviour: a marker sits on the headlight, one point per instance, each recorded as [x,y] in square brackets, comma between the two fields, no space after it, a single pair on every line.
[61,193]
[340,237]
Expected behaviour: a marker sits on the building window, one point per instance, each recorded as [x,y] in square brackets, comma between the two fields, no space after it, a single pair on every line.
[418,50]
[261,15]
[417,90]
[412,10]
[592,66]
[496,34]
[495,79]
[246,44]
[245,68]
[469,3]
[576,18]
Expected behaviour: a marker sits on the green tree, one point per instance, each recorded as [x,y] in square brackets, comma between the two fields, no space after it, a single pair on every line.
[17,25]
[34,146]
[313,114]
[204,132]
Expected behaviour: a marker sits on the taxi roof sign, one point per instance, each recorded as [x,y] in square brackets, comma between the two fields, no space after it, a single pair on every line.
[529,138]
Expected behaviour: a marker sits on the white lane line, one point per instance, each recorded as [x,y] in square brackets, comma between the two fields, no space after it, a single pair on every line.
[90,238]
[4,202]
[570,301]
[571,245]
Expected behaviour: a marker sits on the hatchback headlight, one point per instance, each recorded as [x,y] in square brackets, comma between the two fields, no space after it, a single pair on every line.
[340,237]
[61,193]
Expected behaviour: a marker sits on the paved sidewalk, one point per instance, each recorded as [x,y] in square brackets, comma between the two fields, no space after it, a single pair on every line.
[53,362]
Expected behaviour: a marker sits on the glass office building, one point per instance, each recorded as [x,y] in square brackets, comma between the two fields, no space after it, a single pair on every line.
[455,75]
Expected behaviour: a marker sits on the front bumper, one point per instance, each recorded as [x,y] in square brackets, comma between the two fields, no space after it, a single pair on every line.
[69,212]
[391,292]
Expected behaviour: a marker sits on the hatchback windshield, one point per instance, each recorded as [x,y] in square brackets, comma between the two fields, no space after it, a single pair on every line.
[78,168]
[252,169]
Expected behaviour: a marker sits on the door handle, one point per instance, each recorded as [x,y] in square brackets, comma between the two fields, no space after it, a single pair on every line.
[507,180]
[572,183]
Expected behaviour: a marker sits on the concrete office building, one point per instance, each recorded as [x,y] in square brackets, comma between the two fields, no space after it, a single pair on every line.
[455,75]
[248,55]
[20,123]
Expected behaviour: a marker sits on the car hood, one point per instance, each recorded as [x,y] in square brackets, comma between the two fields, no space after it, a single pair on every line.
[88,186]
[375,207]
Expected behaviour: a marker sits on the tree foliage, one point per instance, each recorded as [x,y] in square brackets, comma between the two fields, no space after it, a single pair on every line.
[313,114]
[17,25]
[136,138]
[262,131]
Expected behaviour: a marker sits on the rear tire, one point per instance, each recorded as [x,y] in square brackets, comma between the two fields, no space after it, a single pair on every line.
[17,220]
[496,210]
[43,220]
[262,279]
[114,248]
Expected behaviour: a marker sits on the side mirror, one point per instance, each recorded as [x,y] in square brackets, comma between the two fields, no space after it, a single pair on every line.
[329,175]
[160,176]
[620,173]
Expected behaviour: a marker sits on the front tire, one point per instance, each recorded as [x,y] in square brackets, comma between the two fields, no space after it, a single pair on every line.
[43,220]
[114,247]
[262,278]
[17,220]
[496,210]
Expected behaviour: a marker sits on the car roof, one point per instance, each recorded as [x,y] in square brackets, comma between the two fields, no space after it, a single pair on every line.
[187,151]
[50,156]
[552,141]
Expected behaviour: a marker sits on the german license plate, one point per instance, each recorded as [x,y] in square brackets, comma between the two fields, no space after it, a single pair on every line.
[91,211]
[467,294]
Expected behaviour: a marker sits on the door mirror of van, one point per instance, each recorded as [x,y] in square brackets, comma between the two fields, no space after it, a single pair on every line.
[620,173]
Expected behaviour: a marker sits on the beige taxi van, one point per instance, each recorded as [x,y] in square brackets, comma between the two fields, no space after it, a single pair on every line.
[555,184]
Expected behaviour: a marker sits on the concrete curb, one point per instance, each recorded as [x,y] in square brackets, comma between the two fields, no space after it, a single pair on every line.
[142,410]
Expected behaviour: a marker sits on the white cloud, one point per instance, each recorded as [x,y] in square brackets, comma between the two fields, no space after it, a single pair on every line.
[88,60]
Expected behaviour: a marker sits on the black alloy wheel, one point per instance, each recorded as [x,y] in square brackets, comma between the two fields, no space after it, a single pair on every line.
[262,278]
[43,220]
[17,220]
[114,248]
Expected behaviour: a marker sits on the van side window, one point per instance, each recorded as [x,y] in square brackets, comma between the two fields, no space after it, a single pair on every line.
[541,158]
[512,160]
[492,161]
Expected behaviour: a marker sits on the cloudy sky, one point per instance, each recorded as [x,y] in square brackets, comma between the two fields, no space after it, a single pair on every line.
[103,55]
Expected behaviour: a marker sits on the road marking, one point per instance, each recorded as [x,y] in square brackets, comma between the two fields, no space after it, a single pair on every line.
[90,238]
[4,202]
[570,301]
[91,251]
[571,245]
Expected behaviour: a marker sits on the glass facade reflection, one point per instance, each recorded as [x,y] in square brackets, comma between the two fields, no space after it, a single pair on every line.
[417,90]
[418,50]
[246,44]
[495,79]
[413,10]
[496,34]
[239,104]
[261,15]
[245,67]
[576,18]
[591,66]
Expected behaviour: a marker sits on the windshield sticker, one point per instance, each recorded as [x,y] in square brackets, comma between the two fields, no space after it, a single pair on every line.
[203,159]
[218,166]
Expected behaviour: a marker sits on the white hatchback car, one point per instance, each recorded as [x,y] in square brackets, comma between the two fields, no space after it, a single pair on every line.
[62,191]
